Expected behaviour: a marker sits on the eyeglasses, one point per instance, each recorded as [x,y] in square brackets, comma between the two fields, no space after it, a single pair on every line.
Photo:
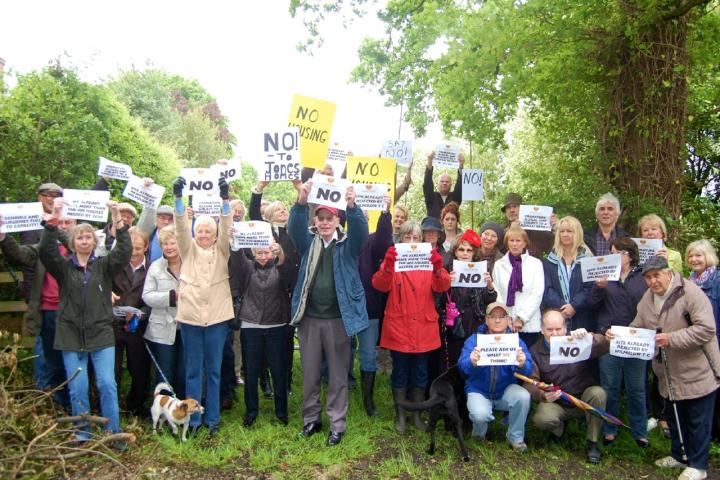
[497,317]
[50,195]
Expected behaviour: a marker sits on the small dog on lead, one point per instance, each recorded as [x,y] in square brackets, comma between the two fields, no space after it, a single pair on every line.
[176,412]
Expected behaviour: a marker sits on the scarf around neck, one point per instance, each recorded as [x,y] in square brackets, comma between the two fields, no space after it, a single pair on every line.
[516,281]
[704,277]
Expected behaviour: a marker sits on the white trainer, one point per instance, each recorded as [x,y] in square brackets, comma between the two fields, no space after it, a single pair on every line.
[669,462]
[691,473]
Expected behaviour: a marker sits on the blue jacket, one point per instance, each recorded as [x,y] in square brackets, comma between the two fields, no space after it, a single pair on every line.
[348,287]
[711,288]
[579,292]
[490,381]
[617,303]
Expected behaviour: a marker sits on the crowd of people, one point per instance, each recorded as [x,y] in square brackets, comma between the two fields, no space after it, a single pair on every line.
[171,298]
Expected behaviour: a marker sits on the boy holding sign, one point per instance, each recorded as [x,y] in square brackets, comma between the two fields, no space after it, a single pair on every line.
[495,387]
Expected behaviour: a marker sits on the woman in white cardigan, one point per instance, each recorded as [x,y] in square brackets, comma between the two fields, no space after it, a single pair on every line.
[520,283]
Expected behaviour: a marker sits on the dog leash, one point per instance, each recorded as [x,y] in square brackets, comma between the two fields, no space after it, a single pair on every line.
[152,357]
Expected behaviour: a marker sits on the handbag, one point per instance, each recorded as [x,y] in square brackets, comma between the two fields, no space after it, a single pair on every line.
[454,326]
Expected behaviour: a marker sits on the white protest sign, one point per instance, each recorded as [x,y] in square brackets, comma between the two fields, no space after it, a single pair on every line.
[200,180]
[535,217]
[328,191]
[497,349]
[400,150]
[88,205]
[630,342]
[336,154]
[206,203]
[472,184]
[151,196]
[597,268]
[281,156]
[21,217]
[446,156]
[569,349]
[469,274]
[371,196]
[230,170]
[252,235]
[647,247]
[119,171]
[413,256]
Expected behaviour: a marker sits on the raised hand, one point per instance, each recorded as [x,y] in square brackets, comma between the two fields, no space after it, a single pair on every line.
[178,186]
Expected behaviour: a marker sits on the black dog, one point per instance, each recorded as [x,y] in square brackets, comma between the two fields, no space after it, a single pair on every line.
[447,392]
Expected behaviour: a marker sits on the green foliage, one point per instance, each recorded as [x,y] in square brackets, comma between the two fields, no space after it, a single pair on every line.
[194,138]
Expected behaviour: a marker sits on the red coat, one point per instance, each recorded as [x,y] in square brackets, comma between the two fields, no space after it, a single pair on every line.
[410,324]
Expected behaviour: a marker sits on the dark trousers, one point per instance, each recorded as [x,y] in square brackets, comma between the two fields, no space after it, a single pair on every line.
[138,365]
[410,370]
[270,344]
[529,338]
[53,358]
[171,362]
[696,417]
[227,369]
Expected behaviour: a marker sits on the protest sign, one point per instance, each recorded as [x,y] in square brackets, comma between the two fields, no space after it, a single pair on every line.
[568,349]
[472,184]
[88,205]
[336,154]
[535,217]
[497,349]
[469,274]
[372,170]
[314,119]
[119,171]
[151,196]
[413,256]
[597,268]
[371,196]
[252,234]
[446,156]
[230,169]
[630,342]
[206,203]
[281,156]
[400,150]
[200,180]
[329,191]
[21,217]
[647,247]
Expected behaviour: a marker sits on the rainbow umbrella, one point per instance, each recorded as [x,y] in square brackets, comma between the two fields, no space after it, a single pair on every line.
[573,401]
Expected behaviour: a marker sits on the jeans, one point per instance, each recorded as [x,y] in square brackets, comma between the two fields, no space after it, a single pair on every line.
[367,353]
[41,376]
[614,371]
[696,417]
[409,370]
[104,364]
[203,355]
[171,362]
[257,344]
[228,382]
[53,358]
[515,399]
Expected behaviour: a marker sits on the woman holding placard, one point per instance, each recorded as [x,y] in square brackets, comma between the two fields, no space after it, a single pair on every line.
[410,325]
[564,287]
[652,227]
[616,303]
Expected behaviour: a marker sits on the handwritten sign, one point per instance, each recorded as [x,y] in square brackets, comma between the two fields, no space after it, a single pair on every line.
[329,191]
[88,205]
[281,155]
[413,256]
[252,235]
[371,196]
[497,349]
[200,180]
[151,196]
[564,350]
[630,342]
[21,217]
[597,268]
[400,150]
[535,217]
[314,119]
[469,274]
[648,247]
[206,203]
[230,170]
[446,156]
[372,170]
[119,171]
[472,184]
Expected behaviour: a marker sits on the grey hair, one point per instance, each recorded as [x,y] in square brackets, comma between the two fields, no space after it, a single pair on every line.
[205,220]
[410,227]
[608,198]
[706,249]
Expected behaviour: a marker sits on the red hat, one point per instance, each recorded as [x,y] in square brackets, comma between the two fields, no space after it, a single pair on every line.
[471,237]
[332,210]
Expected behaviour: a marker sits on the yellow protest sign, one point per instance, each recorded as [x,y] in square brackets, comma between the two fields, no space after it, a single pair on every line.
[372,170]
[314,119]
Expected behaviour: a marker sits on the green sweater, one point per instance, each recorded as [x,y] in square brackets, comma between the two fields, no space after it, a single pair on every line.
[323,298]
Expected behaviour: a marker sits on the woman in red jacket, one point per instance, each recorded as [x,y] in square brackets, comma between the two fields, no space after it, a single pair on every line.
[410,326]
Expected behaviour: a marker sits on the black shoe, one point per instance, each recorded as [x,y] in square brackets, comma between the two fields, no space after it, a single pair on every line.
[265,383]
[593,452]
[311,429]
[213,431]
[226,404]
[555,438]
[283,420]
[249,420]
[642,442]
[334,438]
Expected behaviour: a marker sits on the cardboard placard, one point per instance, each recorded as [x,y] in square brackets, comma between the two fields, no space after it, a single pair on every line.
[371,196]
[373,170]
[252,235]
[21,217]
[119,171]
[472,184]
[200,180]
[469,274]
[413,256]
[230,171]
[597,268]
[631,342]
[567,349]
[90,205]
[400,150]
[535,217]
[497,349]
[206,203]
[329,191]
[281,155]
[446,156]
[314,119]
[648,247]
[136,190]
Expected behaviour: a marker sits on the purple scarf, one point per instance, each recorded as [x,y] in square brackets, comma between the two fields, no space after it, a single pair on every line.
[704,277]
[516,282]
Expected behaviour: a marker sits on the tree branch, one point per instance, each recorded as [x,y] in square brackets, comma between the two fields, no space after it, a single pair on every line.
[683,8]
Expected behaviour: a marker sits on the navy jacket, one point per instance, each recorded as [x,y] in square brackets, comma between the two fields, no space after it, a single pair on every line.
[617,303]
[371,256]
[711,288]
[579,292]
[590,236]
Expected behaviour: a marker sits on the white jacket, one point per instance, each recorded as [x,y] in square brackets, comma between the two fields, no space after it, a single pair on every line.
[156,294]
[527,302]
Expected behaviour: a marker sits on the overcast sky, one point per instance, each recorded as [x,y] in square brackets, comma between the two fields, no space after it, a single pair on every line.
[243,52]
